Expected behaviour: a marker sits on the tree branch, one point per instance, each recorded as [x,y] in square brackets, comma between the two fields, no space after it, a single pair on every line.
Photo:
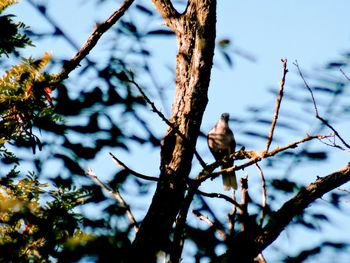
[170,124]
[98,31]
[232,216]
[250,244]
[299,202]
[278,104]
[218,195]
[116,195]
[263,190]
[244,203]
[124,167]
[255,157]
[315,107]
[167,11]
[333,144]
[195,37]
[180,223]
[344,74]
[209,222]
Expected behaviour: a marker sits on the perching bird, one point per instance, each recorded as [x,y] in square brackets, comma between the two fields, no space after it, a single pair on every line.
[222,143]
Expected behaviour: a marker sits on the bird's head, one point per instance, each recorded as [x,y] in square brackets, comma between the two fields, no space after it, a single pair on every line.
[225,116]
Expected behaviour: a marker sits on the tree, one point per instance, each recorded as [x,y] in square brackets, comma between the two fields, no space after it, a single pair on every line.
[68,236]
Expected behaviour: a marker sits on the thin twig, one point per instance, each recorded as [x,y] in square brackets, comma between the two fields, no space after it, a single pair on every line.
[278,104]
[116,195]
[263,190]
[98,31]
[343,190]
[218,195]
[257,157]
[333,144]
[170,124]
[124,167]
[344,74]
[315,107]
[209,222]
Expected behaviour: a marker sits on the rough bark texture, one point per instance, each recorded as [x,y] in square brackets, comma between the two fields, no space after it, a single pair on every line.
[195,34]
[248,244]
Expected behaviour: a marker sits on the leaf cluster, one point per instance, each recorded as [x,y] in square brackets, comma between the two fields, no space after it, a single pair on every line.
[32,230]
[10,37]
[25,100]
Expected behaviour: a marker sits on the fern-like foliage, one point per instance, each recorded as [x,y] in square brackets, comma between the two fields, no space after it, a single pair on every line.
[25,100]
[10,37]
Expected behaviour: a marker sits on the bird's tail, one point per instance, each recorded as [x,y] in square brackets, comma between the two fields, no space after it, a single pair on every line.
[229,180]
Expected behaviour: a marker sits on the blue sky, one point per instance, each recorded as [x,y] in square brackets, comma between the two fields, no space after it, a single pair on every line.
[312,32]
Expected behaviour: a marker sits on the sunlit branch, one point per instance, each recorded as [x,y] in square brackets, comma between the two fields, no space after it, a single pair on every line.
[263,190]
[315,107]
[278,104]
[98,31]
[167,11]
[292,145]
[343,190]
[261,258]
[257,157]
[333,144]
[116,195]
[208,221]
[124,167]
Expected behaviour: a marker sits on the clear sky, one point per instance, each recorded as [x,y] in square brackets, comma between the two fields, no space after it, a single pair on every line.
[313,32]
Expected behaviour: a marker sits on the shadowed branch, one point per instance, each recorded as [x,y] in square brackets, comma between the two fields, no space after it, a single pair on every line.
[116,195]
[124,167]
[98,31]
[315,107]
[170,124]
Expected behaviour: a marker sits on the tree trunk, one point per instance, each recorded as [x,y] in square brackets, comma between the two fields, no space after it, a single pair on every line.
[195,35]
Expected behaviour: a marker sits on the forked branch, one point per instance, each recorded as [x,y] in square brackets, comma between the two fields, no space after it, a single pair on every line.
[208,221]
[257,157]
[250,246]
[298,203]
[167,11]
[316,110]
[116,195]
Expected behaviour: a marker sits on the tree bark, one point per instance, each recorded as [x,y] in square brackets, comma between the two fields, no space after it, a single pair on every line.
[195,35]
[248,244]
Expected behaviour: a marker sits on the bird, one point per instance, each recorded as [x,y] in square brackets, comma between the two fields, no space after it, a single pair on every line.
[221,142]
